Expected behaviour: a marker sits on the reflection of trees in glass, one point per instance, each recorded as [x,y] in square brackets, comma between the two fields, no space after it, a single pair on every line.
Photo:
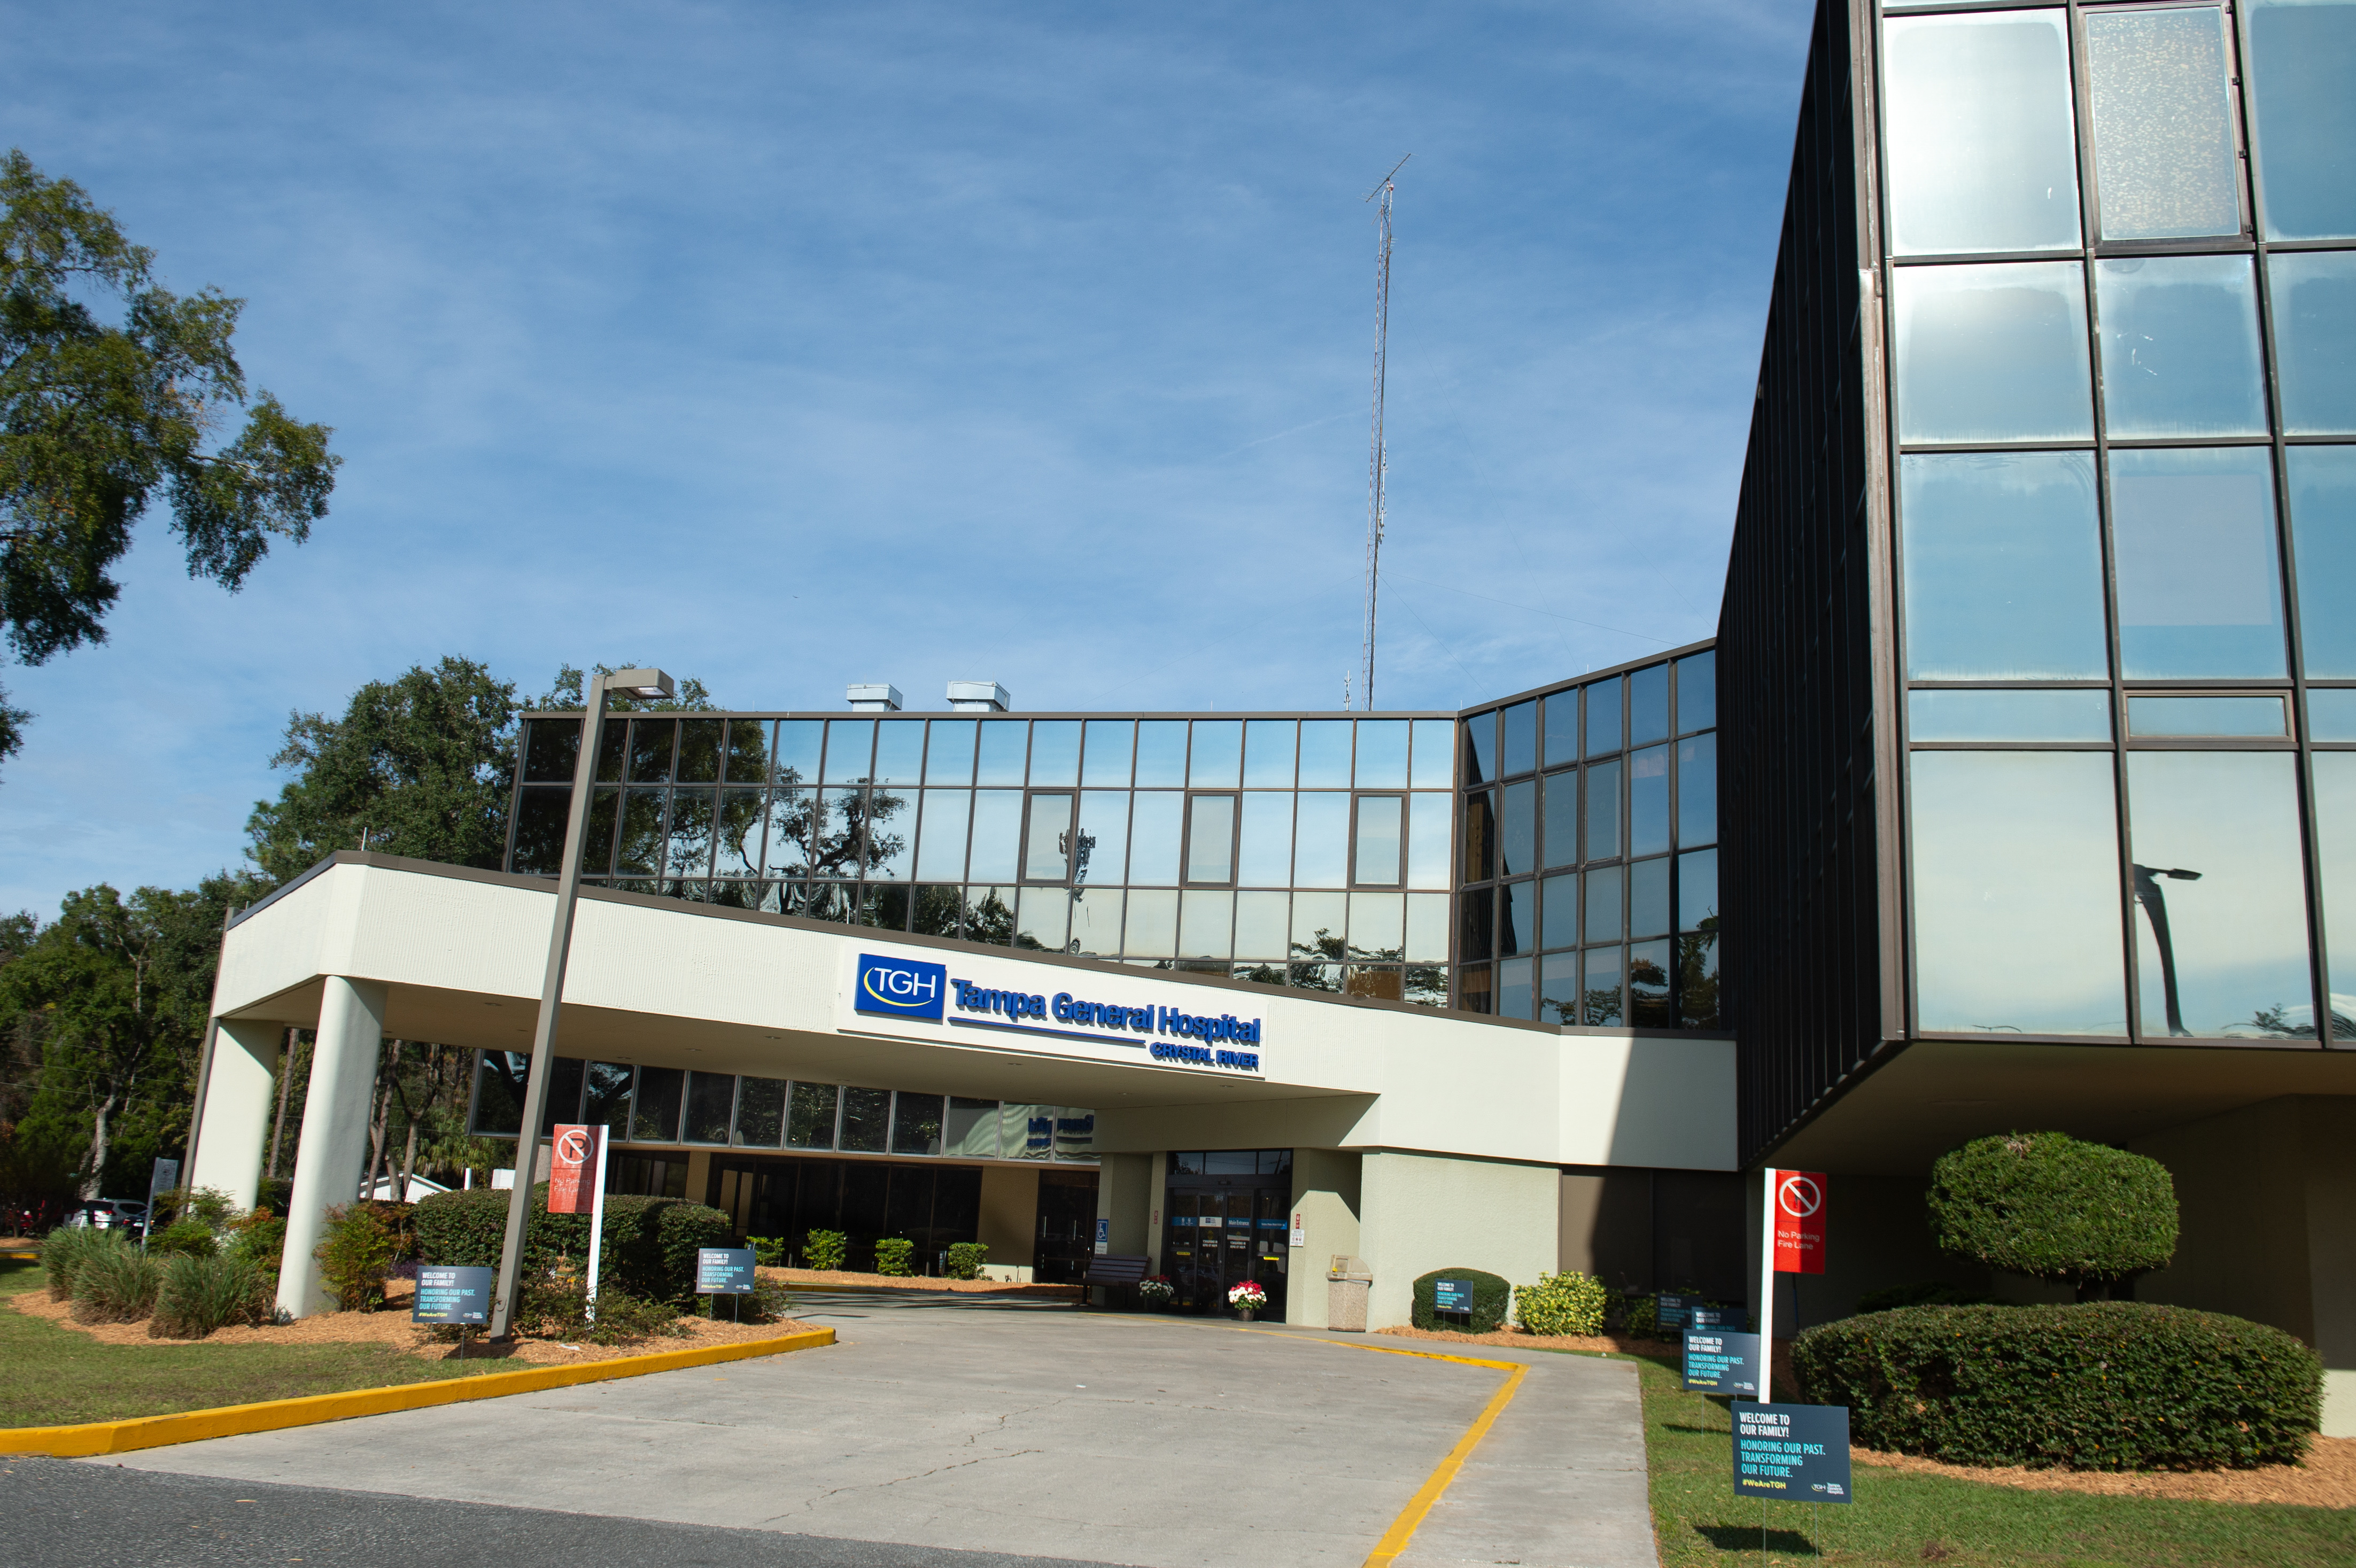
[849,839]
[1698,976]
[991,920]
[2274,1023]
[938,907]
[1648,993]
[1262,974]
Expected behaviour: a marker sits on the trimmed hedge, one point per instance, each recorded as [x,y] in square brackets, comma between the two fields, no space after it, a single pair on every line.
[2110,1385]
[649,1245]
[1492,1297]
[2048,1206]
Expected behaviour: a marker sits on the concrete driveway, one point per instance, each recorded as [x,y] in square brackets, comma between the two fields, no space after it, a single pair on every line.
[949,1424]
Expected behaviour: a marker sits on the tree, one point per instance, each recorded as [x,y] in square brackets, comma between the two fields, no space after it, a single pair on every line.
[2048,1206]
[96,420]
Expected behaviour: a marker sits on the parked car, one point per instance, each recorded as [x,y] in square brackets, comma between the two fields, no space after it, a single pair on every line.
[109,1214]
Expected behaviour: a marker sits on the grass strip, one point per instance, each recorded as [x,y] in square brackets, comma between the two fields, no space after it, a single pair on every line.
[56,1377]
[1913,1519]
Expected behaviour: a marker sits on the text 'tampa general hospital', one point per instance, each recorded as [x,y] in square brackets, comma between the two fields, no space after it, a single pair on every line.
[2016,791]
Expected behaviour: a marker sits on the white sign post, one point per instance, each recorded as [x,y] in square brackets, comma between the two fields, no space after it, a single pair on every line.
[1767,1286]
[597,1222]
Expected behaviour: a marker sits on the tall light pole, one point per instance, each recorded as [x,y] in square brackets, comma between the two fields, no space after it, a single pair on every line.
[653,685]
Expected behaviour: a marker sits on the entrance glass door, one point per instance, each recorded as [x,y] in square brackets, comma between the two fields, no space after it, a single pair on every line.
[1226,1223]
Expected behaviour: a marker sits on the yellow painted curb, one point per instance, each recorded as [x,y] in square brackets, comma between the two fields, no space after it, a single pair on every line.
[234,1420]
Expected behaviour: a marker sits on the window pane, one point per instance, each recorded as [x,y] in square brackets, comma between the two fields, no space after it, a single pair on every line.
[550,751]
[797,756]
[1043,920]
[2163,113]
[710,1106]
[1427,927]
[1109,742]
[2331,713]
[499,1077]
[642,832]
[1435,754]
[940,844]
[1206,924]
[1648,801]
[1648,705]
[654,1116]
[1649,1004]
[1026,1132]
[1103,853]
[1265,857]
[1096,922]
[949,757]
[1480,836]
[2017,892]
[1992,353]
[2303,118]
[1319,921]
[1603,914]
[891,834]
[970,1130]
[2315,340]
[2193,532]
[1047,856]
[1558,912]
[1521,743]
[1477,931]
[1054,752]
[2214,716]
[1982,153]
[849,750]
[1480,747]
[1211,840]
[1153,837]
[541,824]
[2009,715]
[1320,843]
[899,750]
[789,829]
[1599,993]
[1377,927]
[1698,890]
[2323,541]
[1379,823]
[811,1122]
[1001,751]
[997,834]
[605,1096]
[1473,988]
[747,757]
[2003,567]
[1558,813]
[1648,897]
[1604,717]
[2221,922]
[1427,840]
[1558,727]
[1517,919]
[614,746]
[1514,988]
[760,1112]
[738,834]
[1162,752]
[1267,753]
[1698,789]
[2179,346]
[1603,811]
[867,1118]
[1217,758]
[2335,845]
[1517,830]
[1382,753]
[1325,753]
[1696,693]
[1152,929]
[842,826]
[650,749]
[1559,989]
[1260,924]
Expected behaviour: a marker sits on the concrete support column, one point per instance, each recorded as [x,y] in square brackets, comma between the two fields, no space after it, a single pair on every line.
[237,1104]
[328,1164]
[1325,1208]
[1124,1195]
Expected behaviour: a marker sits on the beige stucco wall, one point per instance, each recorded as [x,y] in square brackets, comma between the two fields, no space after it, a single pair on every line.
[1124,1196]
[1010,1214]
[1422,1212]
[1325,1203]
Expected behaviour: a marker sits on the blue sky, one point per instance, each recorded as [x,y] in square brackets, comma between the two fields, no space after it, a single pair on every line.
[793,346]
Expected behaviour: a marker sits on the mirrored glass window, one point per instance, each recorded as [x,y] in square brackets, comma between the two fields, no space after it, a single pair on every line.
[605,1096]
[1604,890]
[1320,922]
[1267,754]
[1982,154]
[1004,746]
[940,840]
[1378,925]
[1517,829]
[1320,843]
[688,847]
[1435,753]
[1054,752]
[699,751]
[748,757]
[1603,717]
[795,758]
[2314,339]
[2302,117]
[849,750]
[1095,922]
[1600,994]
[971,1130]
[1101,855]
[948,757]
[2163,110]
[997,834]
[891,836]
[1043,919]
[2193,538]
[1514,980]
[899,750]
[789,829]
[760,1112]
[1559,910]
[2220,895]
[1162,752]
[1559,989]
[1211,838]
[641,841]
[743,813]
[2208,716]
[1109,742]
[710,1107]
[1603,811]
[1427,840]
[1153,836]
[1648,801]
[1325,753]
[1264,854]
[1648,897]
[1953,715]
[1427,928]
[866,1120]
[2003,567]
[1206,924]
[1152,929]
[1520,753]
[1481,747]
[1047,856]
[1649,1005]
[1382,753]
[2323,540]
[2016,893]
[1698,890]
[2179,346]
[1992,353]
[841,833]
[651,742]
[2335,820]
[2331,713]
[1260,924]
[1698,789]
[552,748]
[1476,935]
[1381,821]
[1480,836]
[811,1122]
[1648,705]
[1218,759]
[1559,810]
[1558,727]
[1696,693]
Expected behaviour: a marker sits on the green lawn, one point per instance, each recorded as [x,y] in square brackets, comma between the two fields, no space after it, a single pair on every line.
[1913,1519]
[55,1376]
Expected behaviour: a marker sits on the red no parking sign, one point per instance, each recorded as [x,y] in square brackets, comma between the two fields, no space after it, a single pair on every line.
[1799,1221]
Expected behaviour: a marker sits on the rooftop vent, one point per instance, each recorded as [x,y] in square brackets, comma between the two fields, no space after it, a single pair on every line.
[979,697]
[881,697]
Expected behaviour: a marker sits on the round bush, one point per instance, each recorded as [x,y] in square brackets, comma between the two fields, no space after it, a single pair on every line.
[2048,1206]
[1562,1304]
[2110,1385]
[192,1238]
[1491,1296]
[649,1245]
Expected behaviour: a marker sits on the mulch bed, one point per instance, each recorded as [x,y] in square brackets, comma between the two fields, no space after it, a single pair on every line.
[840,1279]
[1521,1339]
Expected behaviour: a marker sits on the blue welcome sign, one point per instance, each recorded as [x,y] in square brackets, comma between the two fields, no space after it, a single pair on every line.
[723,1270]
[461,1296]
[1723,1361]
[901,987]
[1451,1296]
[1797,1452]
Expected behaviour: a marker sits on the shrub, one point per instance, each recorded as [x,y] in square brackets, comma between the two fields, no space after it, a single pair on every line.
[2045,1205]
[826,1250]
[2111,1385]
[259,1238]
[649,1245]
[209,1206]
[1491,1298]
[115,1285]
[892,1254]
[557,1305]
[192,1238]
[1562,1304]
[965,1258]
[769,1252]
[1640,1316]
[767,1304]
[356,1254]
[63,1252]
[200,1293]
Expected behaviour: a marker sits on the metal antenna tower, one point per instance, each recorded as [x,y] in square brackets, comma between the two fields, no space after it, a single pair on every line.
[1377,460]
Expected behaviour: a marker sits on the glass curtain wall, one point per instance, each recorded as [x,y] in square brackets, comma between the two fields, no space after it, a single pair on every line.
[2122,312]
[1310,851]
[1590,853]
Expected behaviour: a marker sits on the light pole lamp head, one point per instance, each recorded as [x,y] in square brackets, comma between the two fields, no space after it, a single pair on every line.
[652,685]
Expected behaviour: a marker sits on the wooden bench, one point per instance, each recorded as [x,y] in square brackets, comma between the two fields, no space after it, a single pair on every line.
[1113,1270]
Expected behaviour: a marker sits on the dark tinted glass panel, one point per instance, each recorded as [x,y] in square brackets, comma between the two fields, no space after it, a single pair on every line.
[551,748]
[2179,346]
[565,1081]
[1055,751]
[1480,836]
[606,1095]
[917,1123]
[2303,118]
[498,1092]
[1648,897]
[540,831]
[1698,890]
[883,906]
[597,841]
[1475,992]
[1603,811]
[2193,535]
[1109,745]
[1216,760]
[1005,744]
[699,751]
[747,757]
[1517,829]
[650,749]
[1558,912]
[654,1115]
[710,1106]
[1558,813]
[798,746]
[761,1112]
[2165,162]
[1648,705]
[2003,567]
[1517,925]
[1696,693]
[810,1123]
[1481,747]
[866,1120]
[2323,538]
[2315,340]
[1698,1006]
[1599,999]
[1992,353]
[1649,1002]
[1648,801]
[1558,727]
[612,751]
[1604,890]
[1162,752]
[1698,789]
[1477,934]
[1603,701]
[1521,738]
[641,842]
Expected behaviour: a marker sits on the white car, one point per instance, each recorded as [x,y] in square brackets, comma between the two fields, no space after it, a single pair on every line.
[109,1214]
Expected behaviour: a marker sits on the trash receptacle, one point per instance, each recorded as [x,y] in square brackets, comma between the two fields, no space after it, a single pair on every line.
[1347,1286]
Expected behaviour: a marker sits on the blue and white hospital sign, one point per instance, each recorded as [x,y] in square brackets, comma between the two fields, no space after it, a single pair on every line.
[901,987]
[1796,1451]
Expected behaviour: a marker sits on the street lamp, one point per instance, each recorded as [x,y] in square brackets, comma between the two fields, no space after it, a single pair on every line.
[652,685]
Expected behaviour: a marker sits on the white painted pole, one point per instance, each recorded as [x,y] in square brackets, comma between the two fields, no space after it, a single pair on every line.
[596,1216]
[1767,1288]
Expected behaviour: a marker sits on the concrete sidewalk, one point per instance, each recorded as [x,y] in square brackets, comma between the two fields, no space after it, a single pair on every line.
[1166,1442]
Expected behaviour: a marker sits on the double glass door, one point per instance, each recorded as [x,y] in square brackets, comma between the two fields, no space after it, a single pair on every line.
[1215,1238]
